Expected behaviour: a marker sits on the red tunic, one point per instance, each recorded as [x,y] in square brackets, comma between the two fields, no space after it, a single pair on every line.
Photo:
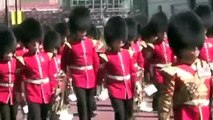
[162,55]
[20,51]
[120,74]
[100,48]
[54,69]
[138,54]
[7,81]
[206,53]
[82,61]
[187,90]
[37,82]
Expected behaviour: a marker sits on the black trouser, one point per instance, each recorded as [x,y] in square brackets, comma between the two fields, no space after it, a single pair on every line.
[8,112]
[85,99]
[123,108]
[38,111]
[156,97]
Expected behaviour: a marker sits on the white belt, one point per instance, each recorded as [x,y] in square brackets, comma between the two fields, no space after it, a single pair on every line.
[89,67]
[162,65]
[39,81]
[119,78]
[6,84]
[198,102]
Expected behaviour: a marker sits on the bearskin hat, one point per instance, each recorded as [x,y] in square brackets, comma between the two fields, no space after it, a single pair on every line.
[31,31]
[132,28]
[185,31]
[148,31]
[52,40]
[7,41]
[115,29]
[141,21]
[205,13]
[94,32]
[79,19]
[62,29]
[159,21]
[17,32]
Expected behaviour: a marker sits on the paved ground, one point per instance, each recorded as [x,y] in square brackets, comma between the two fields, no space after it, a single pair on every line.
[105,112]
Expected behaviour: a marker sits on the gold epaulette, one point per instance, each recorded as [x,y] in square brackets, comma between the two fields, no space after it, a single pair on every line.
[20,59]
[150,45]
[94,42]
[140,47]
[68,44]
[104,57]
[169,70]
[143,44]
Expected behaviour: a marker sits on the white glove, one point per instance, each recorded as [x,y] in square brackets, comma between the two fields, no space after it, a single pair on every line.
[104,94]
[25,109]
[72,97]
[65,115]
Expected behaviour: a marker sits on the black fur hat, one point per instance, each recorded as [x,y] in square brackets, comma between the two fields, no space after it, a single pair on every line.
[205,13]
[62,29]
[31,31]
[132,28]
[79,19]
[148,31]
[159,21]
[115,29]
[7,41]
[141,21]
[17,32]
[94,32]
[185,31]
[52,40]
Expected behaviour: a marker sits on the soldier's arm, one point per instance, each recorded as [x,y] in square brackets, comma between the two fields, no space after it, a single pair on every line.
[96,61]
[165,100]
[65,58]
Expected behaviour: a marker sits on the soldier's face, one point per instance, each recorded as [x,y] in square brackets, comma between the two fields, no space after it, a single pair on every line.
[190,54]
[160,36]
[33,46]
[81,34]
[116,45]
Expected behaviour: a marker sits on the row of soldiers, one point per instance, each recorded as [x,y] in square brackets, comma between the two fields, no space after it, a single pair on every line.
[176,56]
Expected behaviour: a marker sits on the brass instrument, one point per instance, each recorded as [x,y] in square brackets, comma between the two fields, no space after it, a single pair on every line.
[60,100]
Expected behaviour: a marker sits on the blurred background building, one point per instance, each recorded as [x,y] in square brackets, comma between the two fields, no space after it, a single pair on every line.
[51,11]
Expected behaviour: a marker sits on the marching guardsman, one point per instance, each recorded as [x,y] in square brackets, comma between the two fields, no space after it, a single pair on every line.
[100,47]
[161,54]
[137,56]
[9,85]
[120,73]
[134,47]
[35,74]
[205,13]
[58,79]
[63,30]
[80,60]
[51,44]
[188,80]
